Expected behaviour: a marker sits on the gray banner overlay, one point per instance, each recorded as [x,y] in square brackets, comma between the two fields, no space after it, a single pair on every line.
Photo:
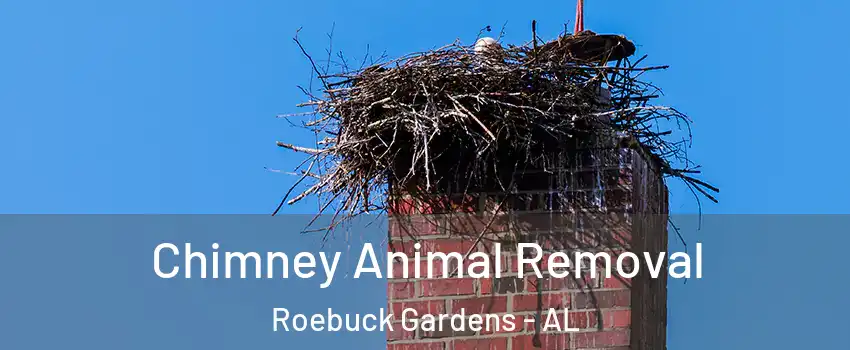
[88,281]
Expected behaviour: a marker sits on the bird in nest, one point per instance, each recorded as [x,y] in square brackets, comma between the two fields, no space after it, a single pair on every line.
[489,51]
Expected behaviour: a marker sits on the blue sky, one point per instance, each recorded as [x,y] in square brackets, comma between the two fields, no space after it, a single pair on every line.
[169,106]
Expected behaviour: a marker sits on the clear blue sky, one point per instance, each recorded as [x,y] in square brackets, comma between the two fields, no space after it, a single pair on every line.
[169,106]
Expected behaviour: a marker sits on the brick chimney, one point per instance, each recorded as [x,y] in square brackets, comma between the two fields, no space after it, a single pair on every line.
[612,199]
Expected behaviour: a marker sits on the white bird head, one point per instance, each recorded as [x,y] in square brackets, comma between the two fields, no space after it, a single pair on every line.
[486,43]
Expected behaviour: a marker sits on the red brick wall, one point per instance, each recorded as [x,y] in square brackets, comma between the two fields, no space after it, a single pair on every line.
[628,213]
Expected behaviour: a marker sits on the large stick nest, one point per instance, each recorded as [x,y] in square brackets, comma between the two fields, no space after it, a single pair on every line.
[451,120]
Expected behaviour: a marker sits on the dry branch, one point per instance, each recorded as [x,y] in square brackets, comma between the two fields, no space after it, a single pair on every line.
[427,122]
